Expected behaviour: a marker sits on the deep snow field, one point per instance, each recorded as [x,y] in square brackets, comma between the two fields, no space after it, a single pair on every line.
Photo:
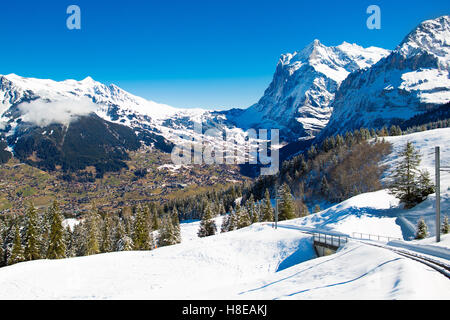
[379,213]
[260,262]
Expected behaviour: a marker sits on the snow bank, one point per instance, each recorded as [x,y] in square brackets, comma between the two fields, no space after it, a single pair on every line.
[257,262]
[186,271]
[357,271]
[380,213]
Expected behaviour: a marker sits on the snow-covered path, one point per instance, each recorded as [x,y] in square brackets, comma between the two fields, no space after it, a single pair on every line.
[257,262]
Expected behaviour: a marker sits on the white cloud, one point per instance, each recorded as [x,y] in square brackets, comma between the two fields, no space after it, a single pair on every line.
[64,112]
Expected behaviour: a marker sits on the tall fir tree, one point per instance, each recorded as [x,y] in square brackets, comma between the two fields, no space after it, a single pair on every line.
[32,245]
[2,243]
[176,224]
[207,224]
[244,219]
[17,254]
[445,226]
[57,246]
[107,228]
[156,223]
[68,239]
[221,208]
[426,187]
[93,232]
[45,223]
[286,207]
[251,209]
[267,209]
[422,229]
[225,224]
[167,234]
[78,240]
[123,240]
[234,218]
[405,185]
[142,239]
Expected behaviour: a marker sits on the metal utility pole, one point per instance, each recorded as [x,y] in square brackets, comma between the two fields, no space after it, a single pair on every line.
[438,194]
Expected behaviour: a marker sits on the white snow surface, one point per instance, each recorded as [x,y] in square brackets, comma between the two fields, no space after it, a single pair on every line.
[260,262]
[380,213]
[257,262]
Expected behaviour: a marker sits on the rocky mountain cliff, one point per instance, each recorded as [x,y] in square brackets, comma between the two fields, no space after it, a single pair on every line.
[413,79]
[303,86]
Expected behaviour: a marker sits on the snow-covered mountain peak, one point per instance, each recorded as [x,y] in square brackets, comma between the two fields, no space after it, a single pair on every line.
[432,37]
[413,79]
[15,89]
[304,84]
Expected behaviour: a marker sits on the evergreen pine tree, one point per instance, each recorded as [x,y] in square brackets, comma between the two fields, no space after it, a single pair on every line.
[17,254]
[2,251]
[176,224]
[155,219]
[141,234]
[79,240]
[234,218]
[167,235]
[32,245]
[93,233]
[70,250]
[325,187]
[426,187]
[124,241]
[244,219]
[286,207]
[107,245]
[445,227]
[2,243]
[405,178]
[225,227]
[207,225]
[221,209]
[56,247]
[44,225]
[258,211]
[422,229]
[267,209]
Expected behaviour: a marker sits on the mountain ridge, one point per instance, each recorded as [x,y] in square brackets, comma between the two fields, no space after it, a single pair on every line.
[413,79]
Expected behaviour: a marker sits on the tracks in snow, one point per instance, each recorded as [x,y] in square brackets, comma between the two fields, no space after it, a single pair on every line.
[435,264]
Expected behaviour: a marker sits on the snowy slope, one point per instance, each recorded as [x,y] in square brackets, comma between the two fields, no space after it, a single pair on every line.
[412,79]
[356,272]
[257,262]
[379,213]
[183,271]
[303,86]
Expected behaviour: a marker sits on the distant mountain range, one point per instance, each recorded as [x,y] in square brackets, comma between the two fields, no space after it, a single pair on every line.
[316,92]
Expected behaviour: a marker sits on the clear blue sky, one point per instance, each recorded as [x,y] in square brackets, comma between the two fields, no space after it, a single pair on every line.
[189,53]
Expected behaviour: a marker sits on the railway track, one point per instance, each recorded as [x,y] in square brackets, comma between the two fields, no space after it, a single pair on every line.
[435,264]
